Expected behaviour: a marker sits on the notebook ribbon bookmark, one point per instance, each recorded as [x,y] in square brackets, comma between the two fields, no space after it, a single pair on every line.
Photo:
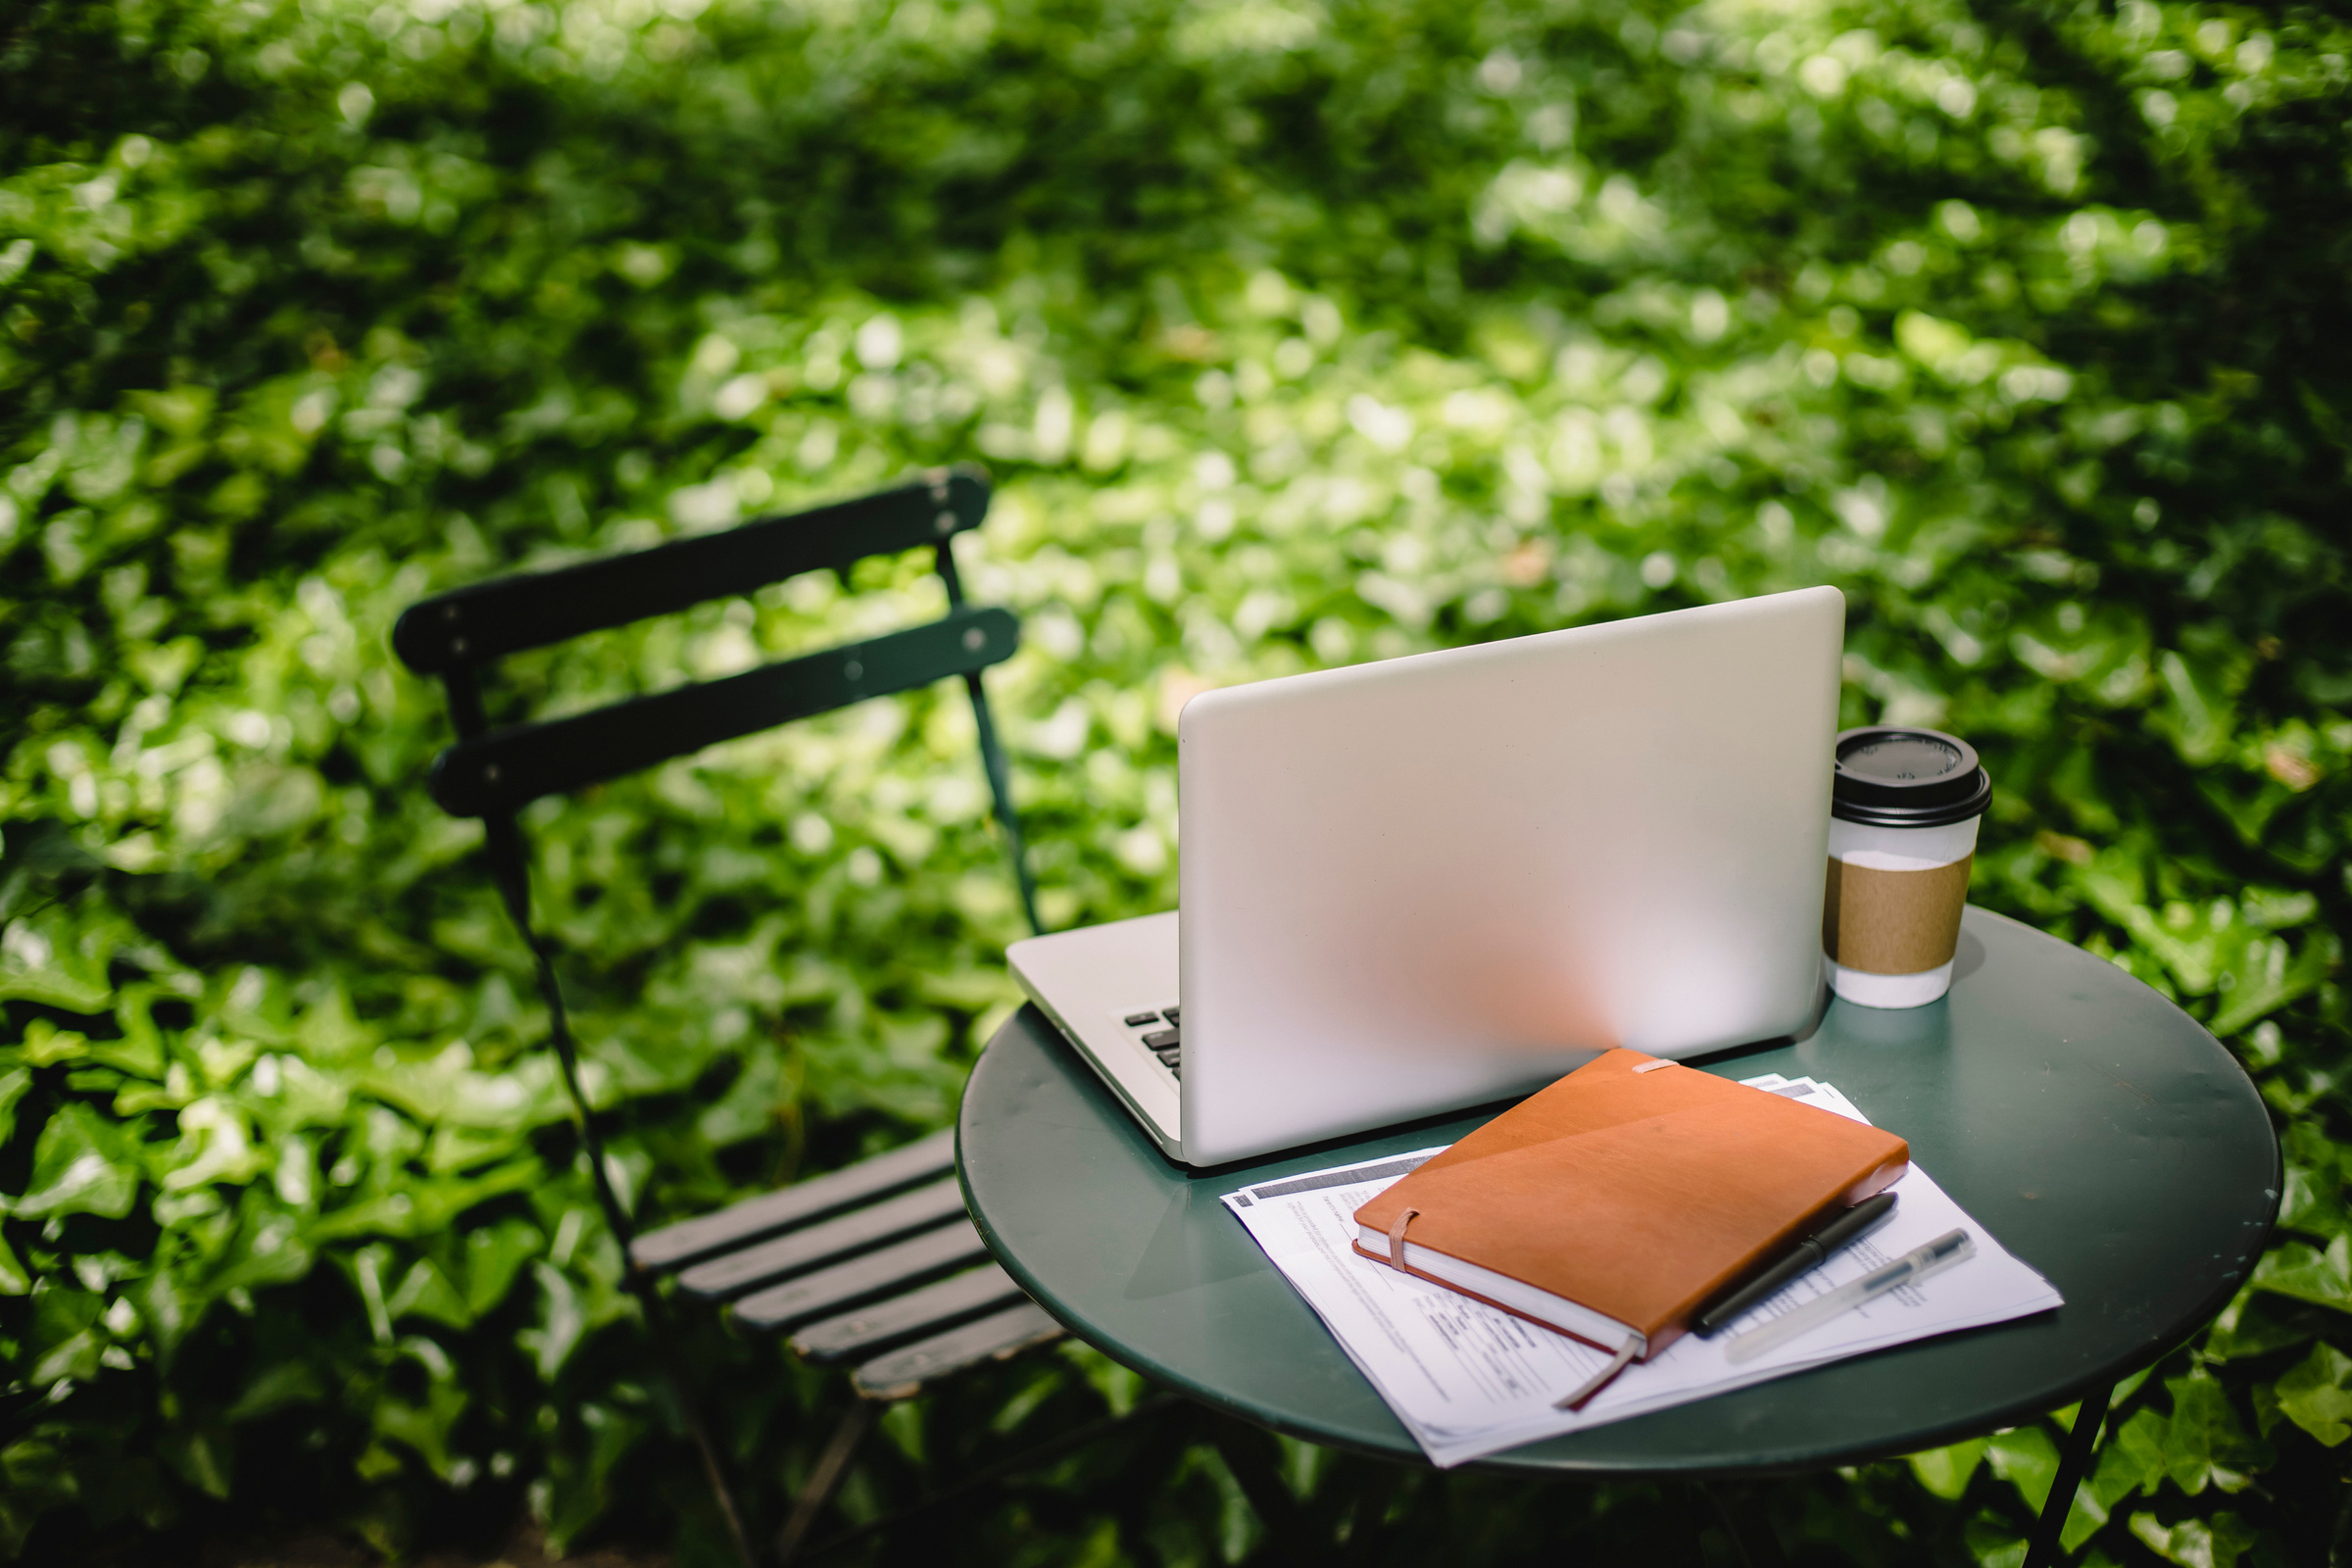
[1604,1377]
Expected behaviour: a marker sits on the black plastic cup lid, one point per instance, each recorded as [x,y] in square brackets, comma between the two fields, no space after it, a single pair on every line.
[1890,777]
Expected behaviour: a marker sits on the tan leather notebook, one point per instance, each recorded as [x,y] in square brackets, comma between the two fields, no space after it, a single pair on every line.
[1615,1204]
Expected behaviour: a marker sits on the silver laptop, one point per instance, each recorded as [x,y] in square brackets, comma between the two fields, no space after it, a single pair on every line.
[1418,885]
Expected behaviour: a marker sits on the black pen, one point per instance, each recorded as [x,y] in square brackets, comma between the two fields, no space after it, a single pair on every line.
[1808,1254]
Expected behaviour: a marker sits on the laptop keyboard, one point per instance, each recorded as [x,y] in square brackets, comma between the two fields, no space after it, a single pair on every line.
[1161,1031]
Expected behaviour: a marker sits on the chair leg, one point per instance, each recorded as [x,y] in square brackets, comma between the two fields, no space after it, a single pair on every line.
[511,868]
[999,785]
[2074,1459]
[831,1466]
[971,1486]
[1731,1526]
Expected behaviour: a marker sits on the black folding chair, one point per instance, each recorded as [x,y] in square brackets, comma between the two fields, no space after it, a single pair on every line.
[876,1238]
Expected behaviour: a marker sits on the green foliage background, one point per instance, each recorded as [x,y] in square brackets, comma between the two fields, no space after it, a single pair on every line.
[1295,334]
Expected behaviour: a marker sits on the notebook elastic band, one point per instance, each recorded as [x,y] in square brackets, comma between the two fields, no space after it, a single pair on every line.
[1396,1239]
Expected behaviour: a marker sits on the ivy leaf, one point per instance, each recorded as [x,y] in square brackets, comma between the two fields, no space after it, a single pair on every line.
[2308,1274]
[2312,1200]
[426,1292]
[140,1050]
[1945,1472]
[445,1088]
[426,1426]
[83,1164]
[2028,1459]
[2317,1393]
[2198,943]
[577,1484]
[562,1321]
[2277,909]
[329,1031]
[749,1107]
[2196,1543]
[267,1248]
[214,1145]
[282,1384]
[376,1215]
[1120,1386]
[41,960]
[2199,712]
[45,1045]
[1994,1542]
[367,1266]
[2205,1443]
[306,1098]
[440,1202]
[494,1256]
[2106,649]
[2266,977]
[166,1312]
[13,1084]
[2256,1323]
[65,1340]
[2132,1457]
[423,1209]
[2267,1414]
[202,1456]
[2201,1443]
[2248,811]
[456,1149]
[38,1476]
[2130,1460]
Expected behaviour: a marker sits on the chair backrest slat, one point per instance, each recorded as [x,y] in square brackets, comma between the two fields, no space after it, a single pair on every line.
[484,620]
[498,772]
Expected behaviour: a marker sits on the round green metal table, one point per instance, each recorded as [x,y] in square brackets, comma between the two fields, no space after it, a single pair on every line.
[2095,1128]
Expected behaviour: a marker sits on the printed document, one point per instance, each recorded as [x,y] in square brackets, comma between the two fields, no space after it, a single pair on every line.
[1469,1380]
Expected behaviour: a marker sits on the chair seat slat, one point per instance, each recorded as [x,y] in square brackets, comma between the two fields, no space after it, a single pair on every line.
[755,1219]
[899,1374]
[796,1252]
[831,1290]
[868,1329]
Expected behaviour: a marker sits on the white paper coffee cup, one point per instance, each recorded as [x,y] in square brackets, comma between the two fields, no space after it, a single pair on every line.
[1904,812]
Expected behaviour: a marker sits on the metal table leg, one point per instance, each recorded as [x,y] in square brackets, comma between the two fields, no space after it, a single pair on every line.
[2074,1462]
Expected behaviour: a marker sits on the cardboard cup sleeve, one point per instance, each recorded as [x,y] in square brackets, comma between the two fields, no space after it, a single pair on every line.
[1893,922]
[1890,912]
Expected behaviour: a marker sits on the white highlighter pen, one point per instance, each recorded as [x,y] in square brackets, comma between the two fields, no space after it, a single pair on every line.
[1952,1246]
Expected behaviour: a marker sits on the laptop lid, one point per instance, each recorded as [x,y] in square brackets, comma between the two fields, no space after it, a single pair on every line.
[1417,885]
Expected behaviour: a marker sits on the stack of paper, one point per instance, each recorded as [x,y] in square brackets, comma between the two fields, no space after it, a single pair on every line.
[1468,1380]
